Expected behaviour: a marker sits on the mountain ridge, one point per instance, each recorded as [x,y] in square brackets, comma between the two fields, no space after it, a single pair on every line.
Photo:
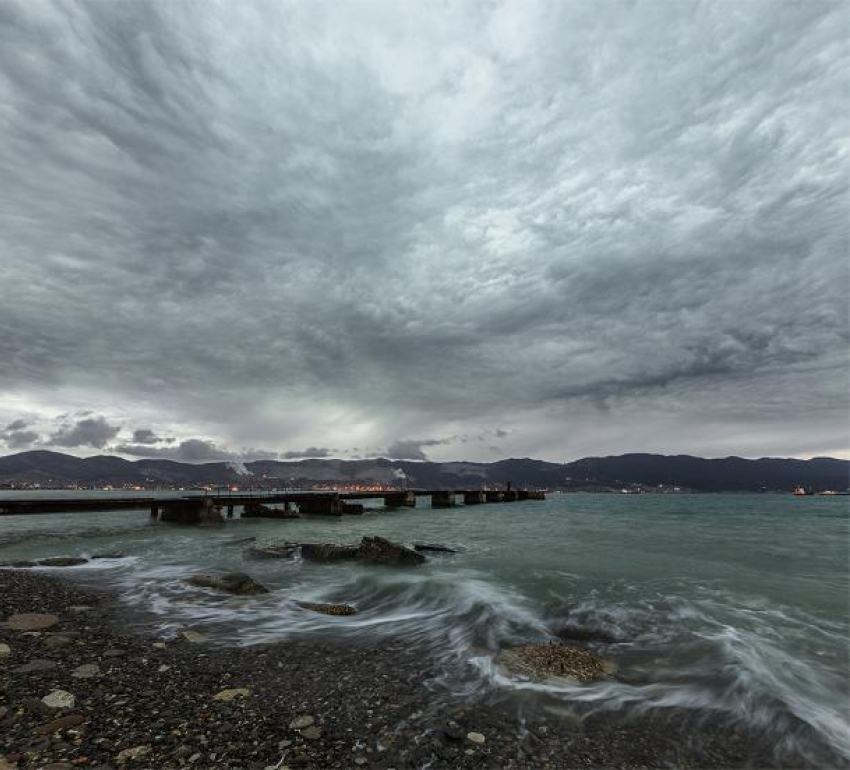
[642,470]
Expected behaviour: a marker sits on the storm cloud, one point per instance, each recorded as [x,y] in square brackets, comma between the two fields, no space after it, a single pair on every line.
[605,226]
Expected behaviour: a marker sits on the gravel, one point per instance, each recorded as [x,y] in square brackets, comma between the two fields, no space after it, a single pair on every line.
[174,703]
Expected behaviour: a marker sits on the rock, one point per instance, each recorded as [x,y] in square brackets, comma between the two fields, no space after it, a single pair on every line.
[5,650]
[30,621]
[35,666]
[6,765]
[117,555]
[228,695]
[62,723]
[299,723]
[273,551]
[59,699]
[130,755]
[433,547]
[114,653]
[160,645]
[62,561]
[379,550]
[328,552]
[237,583]
[545,661]
[18,563]
[55,641]
[163,668]
[476,738]
[193,636]
[328,609]
[312,732]
[86,671]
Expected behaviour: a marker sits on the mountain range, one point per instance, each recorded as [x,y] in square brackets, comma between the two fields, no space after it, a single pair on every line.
[729,474]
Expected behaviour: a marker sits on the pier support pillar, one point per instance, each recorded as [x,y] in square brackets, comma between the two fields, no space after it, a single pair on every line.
[200,510]
[400,500]
[230,511]
[328,505]
[510,496]
[473,498]
[494,497]
[442,499]
[154,512]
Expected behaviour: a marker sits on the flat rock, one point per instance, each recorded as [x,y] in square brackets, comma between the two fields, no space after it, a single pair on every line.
[379,550]
[433,547]
[59,699]
[62,723]
[193,636]
[54,641]
[86,671]
[328,609]
[237,583]
[476,738]
[35,666]
[5,650]
[30,621]
[312,732]
[228,695]
[62,561]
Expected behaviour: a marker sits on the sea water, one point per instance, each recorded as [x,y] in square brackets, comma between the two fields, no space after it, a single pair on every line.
[733,604]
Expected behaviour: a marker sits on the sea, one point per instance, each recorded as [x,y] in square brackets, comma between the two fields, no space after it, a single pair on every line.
[730,604]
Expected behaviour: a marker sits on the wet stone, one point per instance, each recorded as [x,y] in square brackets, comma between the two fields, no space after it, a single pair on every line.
[62,723]
[31,621]
[35,666]
[86,671]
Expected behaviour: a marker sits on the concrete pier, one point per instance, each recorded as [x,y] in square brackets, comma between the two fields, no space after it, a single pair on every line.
[327,505]
[201,510]
[474,498]
[494,497]
[509,496]
[442,499]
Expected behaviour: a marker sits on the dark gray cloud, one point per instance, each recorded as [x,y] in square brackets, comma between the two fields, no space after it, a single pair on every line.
[145,436]
[312,451]
[88,432]
[413,449]
[600,226]
[16,435]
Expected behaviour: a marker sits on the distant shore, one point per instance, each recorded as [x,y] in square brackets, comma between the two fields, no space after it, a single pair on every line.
[143,701]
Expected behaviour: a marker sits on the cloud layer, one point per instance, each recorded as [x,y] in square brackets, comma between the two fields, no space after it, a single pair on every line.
[592,227]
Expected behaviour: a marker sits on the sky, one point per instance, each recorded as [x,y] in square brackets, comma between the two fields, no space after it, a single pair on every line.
[454,231]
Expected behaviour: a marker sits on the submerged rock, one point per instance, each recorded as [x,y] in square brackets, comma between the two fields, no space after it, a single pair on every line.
[379,550]
[237,583]
[328,552]
[329,609]
[433,547]
[62,561]
[282,550]
[546,661]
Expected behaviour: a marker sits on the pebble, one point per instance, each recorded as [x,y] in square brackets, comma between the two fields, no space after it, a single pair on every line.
[163,668]
[5,650]
[476,738]
[160,645]
[31,621]
[86,671]
[299,723]
[312,732]
[193,636]
[54,641]
[62,723]
[228,695]
[59,699]
[34,666]
[132,754]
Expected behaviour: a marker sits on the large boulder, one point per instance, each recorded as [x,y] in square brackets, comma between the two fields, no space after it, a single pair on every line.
[328,552]
[555,661]
[379,550]
[232,582]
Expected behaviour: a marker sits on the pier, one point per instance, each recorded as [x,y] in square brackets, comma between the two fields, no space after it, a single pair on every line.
[214,508]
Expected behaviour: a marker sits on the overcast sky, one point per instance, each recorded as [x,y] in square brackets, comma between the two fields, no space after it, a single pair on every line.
[460,231]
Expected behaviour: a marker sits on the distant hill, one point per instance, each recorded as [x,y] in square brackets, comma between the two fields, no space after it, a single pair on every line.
[729,474]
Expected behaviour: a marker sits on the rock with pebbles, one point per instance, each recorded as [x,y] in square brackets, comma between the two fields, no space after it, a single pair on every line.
[237,583]
[329,609]
[30,621]
[555,661]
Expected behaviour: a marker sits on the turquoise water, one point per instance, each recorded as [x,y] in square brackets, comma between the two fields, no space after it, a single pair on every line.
[736,604]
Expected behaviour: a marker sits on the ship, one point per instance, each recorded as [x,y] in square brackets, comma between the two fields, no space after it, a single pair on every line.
[801,491]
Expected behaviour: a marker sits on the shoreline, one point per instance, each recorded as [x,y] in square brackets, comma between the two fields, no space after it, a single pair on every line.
[141,701]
